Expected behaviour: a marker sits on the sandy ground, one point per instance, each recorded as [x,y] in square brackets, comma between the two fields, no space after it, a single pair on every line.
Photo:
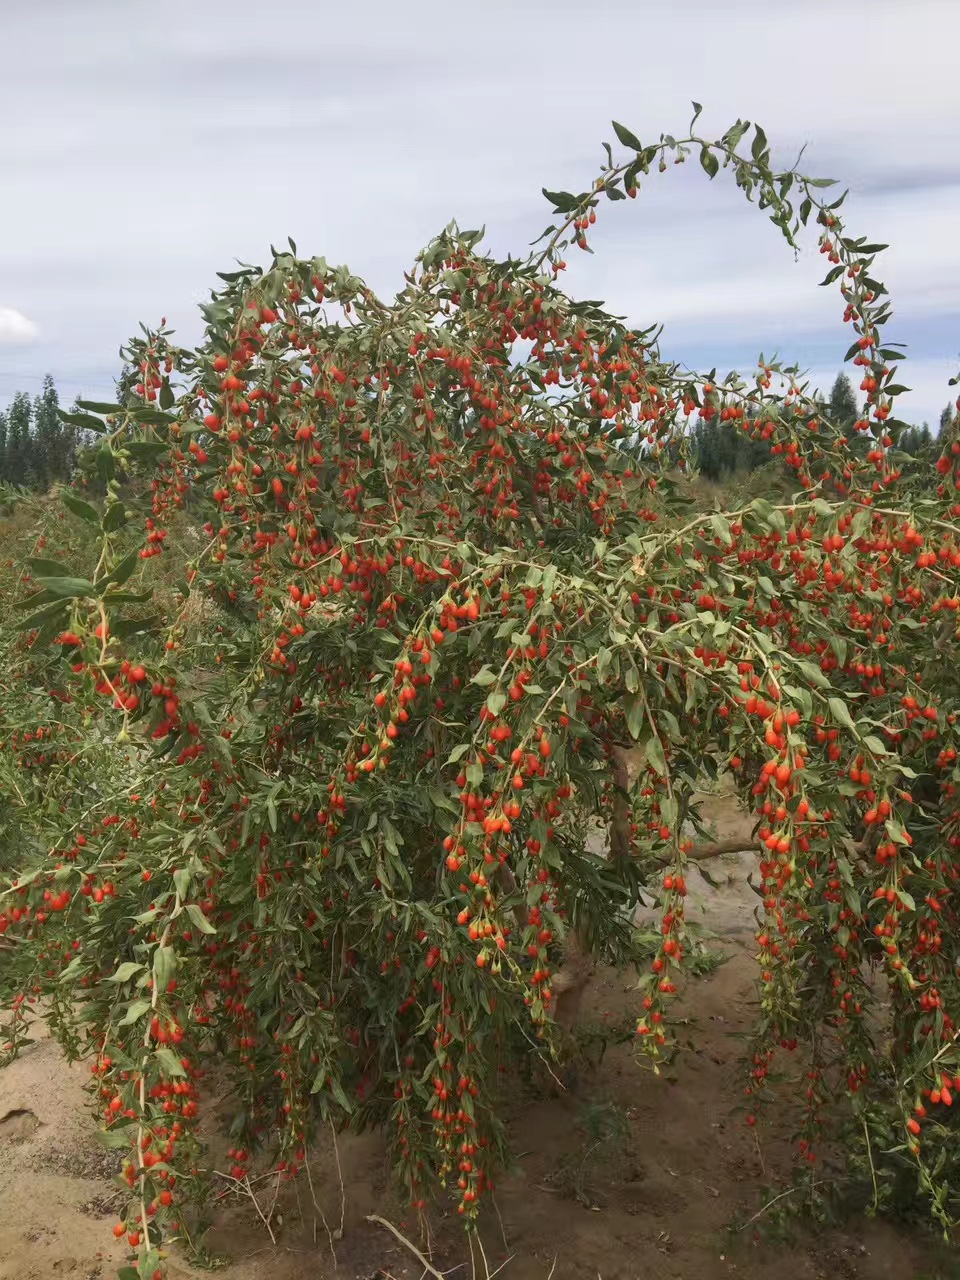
[666,1200]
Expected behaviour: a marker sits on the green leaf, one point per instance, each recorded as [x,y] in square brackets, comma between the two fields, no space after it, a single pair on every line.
[721,527]
[70,972]
[391,836]
[709,162]
[114,518]
[121,571]
[484,677]
[814,674]
[46,567]
[106,462]
[169,1061]
[655,756]
[841,713]
[156,417]
[496,702]
[199,919]
[126,971]
[166,397]
[733,135]
[68,588]
[562,201]
[759,144]
[134,1012]
[149,1262]
[30,601]
[625,136]
[113,1139]
[49,611]
[164,967]
[896,831]
[336,1088]
[97,406]
[634,717]
[79,507]
[83,420]
[146,450]
[440,800]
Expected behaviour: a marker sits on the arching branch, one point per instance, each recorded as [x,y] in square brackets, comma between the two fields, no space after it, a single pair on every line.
[717,849]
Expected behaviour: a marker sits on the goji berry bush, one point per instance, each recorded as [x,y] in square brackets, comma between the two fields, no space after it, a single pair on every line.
[335,841]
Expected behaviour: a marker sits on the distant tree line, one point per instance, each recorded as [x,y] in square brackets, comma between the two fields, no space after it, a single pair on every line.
[722,449]
[36,447]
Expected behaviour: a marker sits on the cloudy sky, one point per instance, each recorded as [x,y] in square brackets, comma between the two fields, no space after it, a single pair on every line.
[145,146]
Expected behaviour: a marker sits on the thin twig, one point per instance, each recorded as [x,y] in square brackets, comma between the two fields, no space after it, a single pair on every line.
[238,1182]
[276,1193]
[503,1231]
[756,1141]
[719,848]
[398,1235]
[323,1216]
[343,1194]
[256,1204]
[761,1211]
[873,1173]
[491,1274]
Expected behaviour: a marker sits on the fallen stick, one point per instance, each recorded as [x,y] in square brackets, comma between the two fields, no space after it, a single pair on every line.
[382,1222]
[701,852]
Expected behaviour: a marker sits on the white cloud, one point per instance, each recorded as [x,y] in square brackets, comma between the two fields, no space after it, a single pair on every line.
[361,130]
[15,327]
[928,381]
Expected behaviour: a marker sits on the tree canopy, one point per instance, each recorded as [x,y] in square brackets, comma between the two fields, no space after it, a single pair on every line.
[462,576]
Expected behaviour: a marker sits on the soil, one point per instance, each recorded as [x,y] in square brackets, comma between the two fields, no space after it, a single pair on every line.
[624,1174]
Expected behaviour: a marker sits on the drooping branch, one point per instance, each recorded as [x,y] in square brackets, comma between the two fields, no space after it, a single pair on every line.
[718,848]
[621,820]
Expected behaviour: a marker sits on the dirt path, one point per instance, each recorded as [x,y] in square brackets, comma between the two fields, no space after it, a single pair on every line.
[630,1175]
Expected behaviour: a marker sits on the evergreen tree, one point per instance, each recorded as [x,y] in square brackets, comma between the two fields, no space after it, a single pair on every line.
[20,469]
[947,416]
[53,440]
[722,449]
[36,448]
[842,406]
[917,441]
